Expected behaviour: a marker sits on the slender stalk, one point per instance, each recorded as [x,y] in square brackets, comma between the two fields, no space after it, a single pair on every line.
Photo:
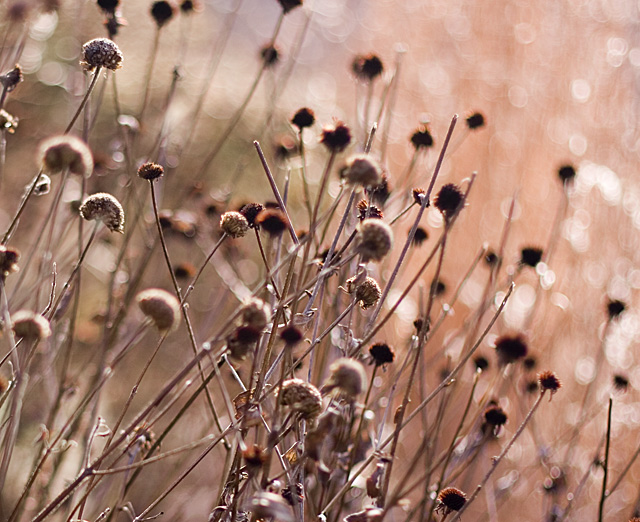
[96,74]
[605,466]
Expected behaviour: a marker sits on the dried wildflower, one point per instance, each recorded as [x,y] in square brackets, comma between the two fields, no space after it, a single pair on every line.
[101,52]
[364,208]
[438,287]
[419,195]
[59,153]
[250,211]
[475,121]
[567,174]
[8,122]
[301,397]
[531,386]
[161,307]
[347,376]
[374,239]
[266,505]
[272,221]
[184,271]
[481,362]
[108,6]
[367,293]
[510,348]
[291,335]
[234,224]
[494,418]
[11,78]
[336,137]
[615,307]
[254,456]
[380,193]
[293,494]
[242,341]
[106,208]
[620,382]
[422,138]
[43,185]
[367,67]
[449,500]
[255,313]
[161,12]
[150,171]
[381,353]
[270,55]
[420,236]
[189,6]
[491,258]
[363,170]
[529,363]
[549,381]
[30,326]
[303,118]
[448,200]
[288,5]
[8,260]
[530,256]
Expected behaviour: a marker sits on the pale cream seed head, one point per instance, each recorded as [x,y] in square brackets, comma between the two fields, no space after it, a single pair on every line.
[234,224]
[101,52]
[29,325]
[374,239]
[161,307]
[106,208]
[59,153]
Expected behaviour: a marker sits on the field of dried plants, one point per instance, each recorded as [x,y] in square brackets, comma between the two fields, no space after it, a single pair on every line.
[328,260]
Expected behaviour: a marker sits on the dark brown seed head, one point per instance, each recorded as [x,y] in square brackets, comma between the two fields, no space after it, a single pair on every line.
[372,211]
[450,499]
[11,78]
[189,6]
[101,52]
[481,362]
[255,313]
[475,121]
[549,381]
[495,416]
[491,258]
[448,200]
[30,326]
[510,348]
[367,67]
[106,208]
[254,456]
[374,239]
[438,287]
[380,193]
[8,260]
[303,118]
[302,397]
[368,293]
[336,137]
[161,307]
[108,6]
[615,307]
[529,363]
[381,353]
[161,12]
[234,224]
[58,153]
[347,376]
[272,221]
[288,5]
[363,170]
[418,195]
[184,271]
[420,236]
[241,341]
[567,174]
[530,256]
[270,55]
[250,211]
[291,335]
[620,382]
[422,138]
[150,171]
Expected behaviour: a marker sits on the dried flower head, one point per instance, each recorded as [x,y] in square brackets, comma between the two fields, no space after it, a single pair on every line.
[30,326]
[420,236]
[250,211]
[381,354]
[291,335]
[301,397]
[106,208]
[270,55]
[161,12]
[615,307]
[380,193]
[241,341]
[273,221]
[8,122]
[367,67]
[288,5]
[418,195]
[491,258]
[59,153]
[101,52]
[184,271]
[161,307]
[549,381]
[449,500]
[510,348]
[529,363]
[475,120]
[363,170]
[255,313]
[11,78]
[190,6]
[347,376]
[150,171]
[448,200]
[422,138]
[567,174]
[108,6]
[620,382]
[303,118]
[374,239]
[494,418]
[364,208]
[336,137]
[530,256]
[367,293]
[481,362]
[234,224]
[254,456]
[8,260]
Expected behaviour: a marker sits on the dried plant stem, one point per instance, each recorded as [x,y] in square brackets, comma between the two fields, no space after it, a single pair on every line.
[149,74]
[605,465]
[21,207]
[84,101]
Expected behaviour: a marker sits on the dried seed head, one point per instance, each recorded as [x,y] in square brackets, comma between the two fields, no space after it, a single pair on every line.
[530,256]
[367,67]
[481,363]
[510,348]
[475,121]
[190,6]
[30,326]
[255,313]
[364,208]
[11,79]
[620,382]
[494,418]
[303,118]
[491,258]
[549,381]
[336,137]
[291,335]
[422,138]
[419,195]
[150,171]
[8,260]
[347,376]
[302,397]
[615,307]
[567,174]
[450,499]
[161,307]
[109,6]
[59,153]
[234,224]
[270,55]
[184,271]
[367,293]
[374,239]
[242,341]
[448,200]
[380,193]
[381,353]
[106,208]
[529,363]
[420,236]
[161,12]
[43,185]
[101,52]
[288,5]
[272,221]
[254,456]
[363,170]
[250,211]
[8,122]
[438,287]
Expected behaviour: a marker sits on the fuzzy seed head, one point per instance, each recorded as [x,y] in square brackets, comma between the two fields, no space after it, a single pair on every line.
[620,382]
[8,260]
[30,326]
[510,348]
[250,211]
[234,224]
[420,236]
[161,12]
[303,118]
[363,170]
[242,341]
[481,362]
[367,67]
[422,138]
[161,307]
[450,499]
[549,381]
[367,293]
[495,416]
[101,52]
[150,171]
[108,6]
[448,200]
[347,376]
[59,153]
[273,221]
[475,121]
[336,137]
[381,354]
[530,256]
[374,239]
[288,5]
[11,78]
[255,313]
[302,397]
[106,208]
[291,335]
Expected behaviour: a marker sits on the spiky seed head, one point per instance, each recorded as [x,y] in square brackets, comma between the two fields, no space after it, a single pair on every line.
[303,118]
[419,195]
[161,307]
[363,170]
[368,292]
[8,260]
[346,376]
[161,12]
[273,221]
[250,211]
[530,256]
[150,171]
[101,52]
[291,335]
[450,499]
[449,199]
[11,78]
[30,326]
[367,67]
[620,382]
[381,354]
[422,138]
[336,137]
[288,5]
[59,153]
[234,224]
[494,417]
[364,208]
[302,397]
[374,239]
[549,381]
[567,174]
[420,236]
[106,208]
[255,313]
[475,121]
[510,348]
[615,307]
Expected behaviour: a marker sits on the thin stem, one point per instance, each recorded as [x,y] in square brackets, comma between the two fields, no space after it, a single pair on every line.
[603,494]
[96,73]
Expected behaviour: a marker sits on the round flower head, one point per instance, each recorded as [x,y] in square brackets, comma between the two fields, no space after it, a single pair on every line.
[250,211]
[291,335]
[288,5]
[255,313]
[364,208]
[347,376]
[367,293]
[374,239]
[510,348]
[30,326]
[549,381]
[270,55]
[303,118]
[421,138]
[566,173]
[420,236]
[161,12]
[234,224]
[530,256]
[367,67]
[59,153]
[450,499]
[161,307]
[615,307]
[448,200]
[381,354]
[241,341]
[494,418]
[150,171]
[363,170]
[302,397]
[475,121]
[336,137]
[101,52]
[272,220]
[106,208]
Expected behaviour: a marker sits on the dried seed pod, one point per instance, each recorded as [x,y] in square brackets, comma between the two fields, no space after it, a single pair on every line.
[250,211]
[303,118]
[381,354]
[367,67]
[368,292]
[475,121]
[448,200]
[242,341]
[270,55]
[59,153]
[273,221]
[234,224]
[30,326]
[161,12]
[549,381]
[494,418]
[363,170]
[374,239]
[161,307]
[567,174]
[101,52]
[615,307]
[422,138]
[255,313]
[450,499]
[291,335]
[530,256]
[106,208]
[347,376]
[301,397]
[420,236]
[364,208]
[510,348]
[150,171]
[336,137]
